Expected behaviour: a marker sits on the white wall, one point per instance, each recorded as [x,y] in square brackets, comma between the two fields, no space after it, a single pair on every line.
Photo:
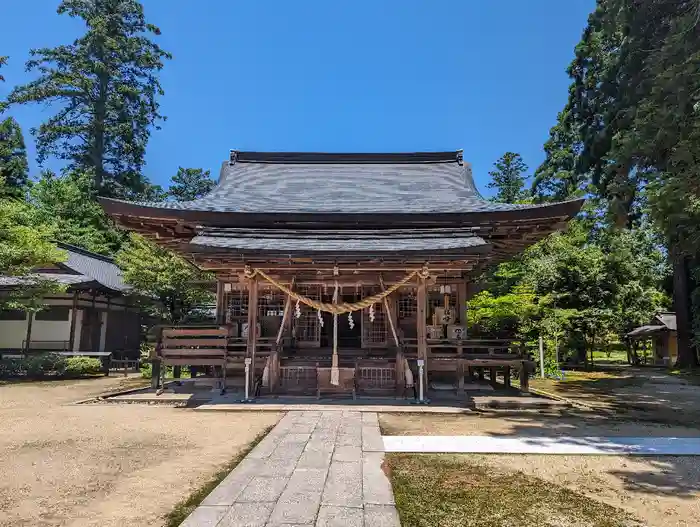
[50,330]
[12,333]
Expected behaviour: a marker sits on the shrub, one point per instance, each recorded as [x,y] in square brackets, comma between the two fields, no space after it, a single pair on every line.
[79,366]
[10,368]
[43,364]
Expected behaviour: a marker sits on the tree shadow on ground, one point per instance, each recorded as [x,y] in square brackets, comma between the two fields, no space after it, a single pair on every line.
[677,476]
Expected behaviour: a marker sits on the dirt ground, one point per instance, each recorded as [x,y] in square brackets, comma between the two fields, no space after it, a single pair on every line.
[662,491]
[643,393]
[106,465]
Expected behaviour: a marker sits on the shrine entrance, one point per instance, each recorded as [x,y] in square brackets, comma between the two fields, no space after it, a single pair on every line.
[348,337]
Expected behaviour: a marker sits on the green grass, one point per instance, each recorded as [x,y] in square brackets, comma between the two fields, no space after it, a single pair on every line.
[185,507]
[454,491]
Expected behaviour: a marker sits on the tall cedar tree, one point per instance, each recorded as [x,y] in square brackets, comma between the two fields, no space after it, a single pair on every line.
[509,178]
[14,169]
[105,89]
[190,183]
[634,100]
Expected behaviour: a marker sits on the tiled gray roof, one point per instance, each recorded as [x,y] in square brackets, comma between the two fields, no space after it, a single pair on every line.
[99,268]
[254,182]
[349,242]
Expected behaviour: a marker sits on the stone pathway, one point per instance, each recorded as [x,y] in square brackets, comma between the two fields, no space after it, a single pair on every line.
[321,468]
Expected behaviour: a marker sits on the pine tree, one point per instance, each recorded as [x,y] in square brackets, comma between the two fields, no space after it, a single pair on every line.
[14,169]
[105,90]
[190,183]
[509,178]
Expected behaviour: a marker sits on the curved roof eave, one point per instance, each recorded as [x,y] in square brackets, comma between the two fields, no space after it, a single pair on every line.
[117,207]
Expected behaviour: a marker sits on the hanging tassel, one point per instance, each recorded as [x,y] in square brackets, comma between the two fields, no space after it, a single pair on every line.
[351,322]
[297,310]
[371,313]
[335,373]
[320,318]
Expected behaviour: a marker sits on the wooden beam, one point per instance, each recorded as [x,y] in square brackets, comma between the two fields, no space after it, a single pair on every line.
[285,316]
[389,313]
[220,303]
[252,324]
[421,329]
[73,315]
[462,301]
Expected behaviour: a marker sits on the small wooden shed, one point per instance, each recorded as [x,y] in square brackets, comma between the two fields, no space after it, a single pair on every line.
[660,333]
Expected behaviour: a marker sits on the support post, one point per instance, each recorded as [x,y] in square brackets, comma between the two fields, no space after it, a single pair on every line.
[252,324]
[421,330]
[462,301]
[421,366]
[73,316]
[389,313]
[220,308]
[30,321]
[541,358]
[247,378]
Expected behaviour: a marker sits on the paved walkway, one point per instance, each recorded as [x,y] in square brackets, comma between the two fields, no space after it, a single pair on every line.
[319,468]
[615,446]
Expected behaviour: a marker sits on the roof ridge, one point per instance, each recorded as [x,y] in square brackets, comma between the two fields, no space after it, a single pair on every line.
[450,156]
[85,252]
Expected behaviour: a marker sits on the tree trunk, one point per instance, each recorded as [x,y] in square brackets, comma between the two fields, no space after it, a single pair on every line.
[687,357]
[98,143]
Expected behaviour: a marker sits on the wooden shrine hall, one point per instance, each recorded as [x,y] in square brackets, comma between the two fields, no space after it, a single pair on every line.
[354,269]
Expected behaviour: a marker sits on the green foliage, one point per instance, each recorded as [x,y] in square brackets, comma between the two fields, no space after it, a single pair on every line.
[174,286]
[630,134]
[69,203]
[190,183]
[82,366]
[14,169]
[105,90]
[509,178]
[578,289]
[25,244]
[502,316]
[41,365]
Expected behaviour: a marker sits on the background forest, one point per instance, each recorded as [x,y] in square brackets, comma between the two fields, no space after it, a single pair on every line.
[628,140]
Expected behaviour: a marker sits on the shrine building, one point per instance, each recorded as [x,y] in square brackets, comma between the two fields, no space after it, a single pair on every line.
[354,269]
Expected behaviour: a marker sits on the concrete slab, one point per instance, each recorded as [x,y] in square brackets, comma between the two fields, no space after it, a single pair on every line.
[344,485]
[638,446]
[332,516]
[376,487]
[382,516]
[204,516]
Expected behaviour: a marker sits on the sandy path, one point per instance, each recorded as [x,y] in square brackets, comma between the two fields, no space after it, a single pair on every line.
[663,491]
[106,465]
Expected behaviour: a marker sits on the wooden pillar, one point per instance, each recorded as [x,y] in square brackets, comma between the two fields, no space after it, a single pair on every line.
[28,339]
[421,329]
[524,378]
[220,303]
[252,325]
[390,314]
[73,316]
[462,301]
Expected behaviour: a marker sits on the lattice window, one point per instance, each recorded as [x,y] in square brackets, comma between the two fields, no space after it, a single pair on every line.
[271,303]
[236,302]
[374,332]
[306,327]
[407,304]
[437,299]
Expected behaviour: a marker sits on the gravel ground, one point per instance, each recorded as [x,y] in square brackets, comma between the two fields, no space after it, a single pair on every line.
[663,491]
[106,465]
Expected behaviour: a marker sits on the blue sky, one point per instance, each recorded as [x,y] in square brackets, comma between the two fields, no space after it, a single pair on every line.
[312,75]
